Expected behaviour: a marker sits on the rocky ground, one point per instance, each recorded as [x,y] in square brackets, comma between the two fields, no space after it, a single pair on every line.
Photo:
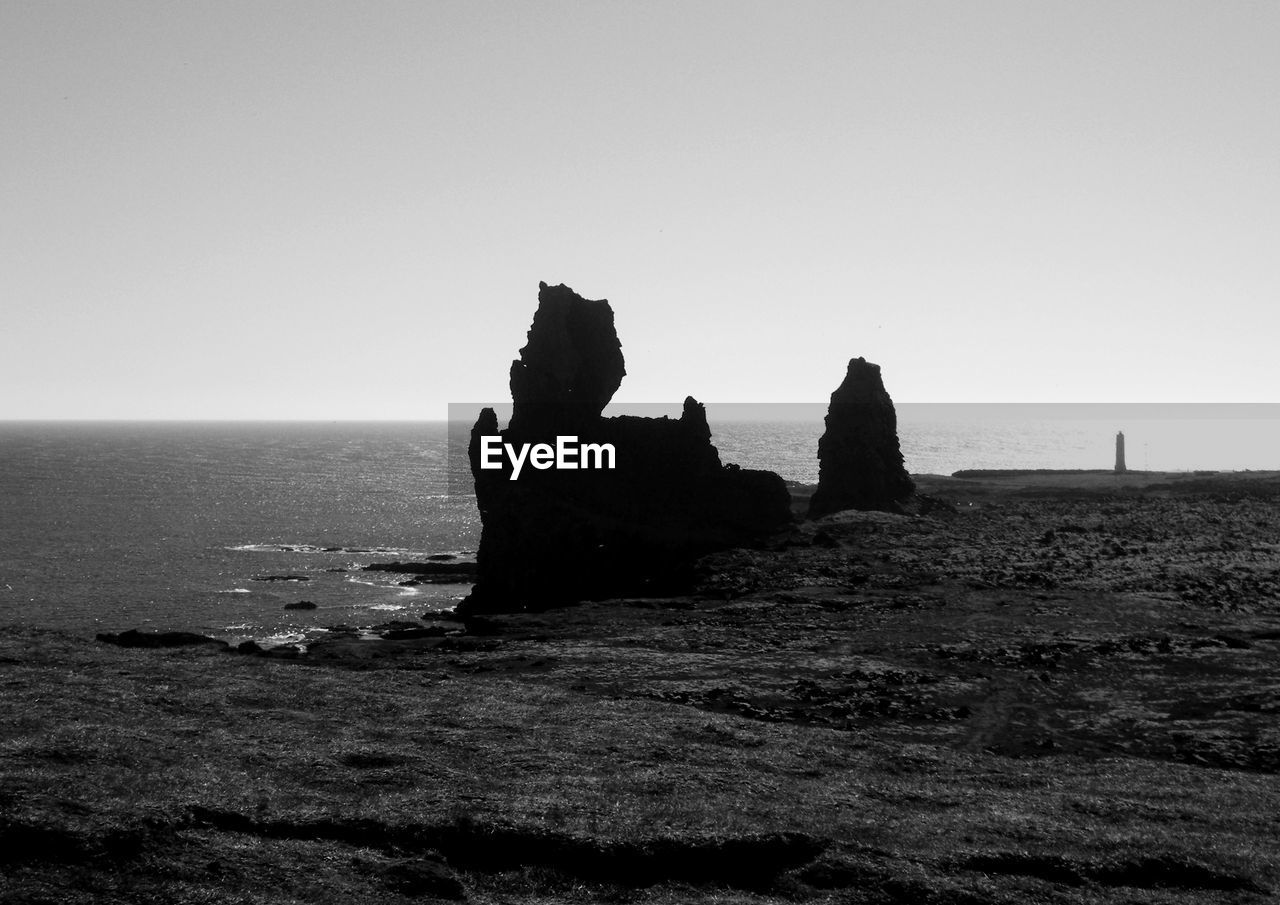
[1061,688]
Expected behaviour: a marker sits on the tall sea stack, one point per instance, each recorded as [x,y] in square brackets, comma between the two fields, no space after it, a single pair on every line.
[554,536]
[859,460]
[1120,469]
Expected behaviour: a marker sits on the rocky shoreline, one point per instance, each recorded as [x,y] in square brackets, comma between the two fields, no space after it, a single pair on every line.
[1059,688]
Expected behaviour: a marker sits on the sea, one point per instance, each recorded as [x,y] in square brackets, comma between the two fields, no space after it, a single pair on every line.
[107,526]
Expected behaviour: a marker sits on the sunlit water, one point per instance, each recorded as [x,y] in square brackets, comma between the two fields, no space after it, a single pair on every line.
[166,526]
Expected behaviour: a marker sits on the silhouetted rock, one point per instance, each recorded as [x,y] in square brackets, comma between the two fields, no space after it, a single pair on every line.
[859,459]
[282,652]
[300,605]
[135,638]
[570,367]
[417,631]
[557,536]
[428,572]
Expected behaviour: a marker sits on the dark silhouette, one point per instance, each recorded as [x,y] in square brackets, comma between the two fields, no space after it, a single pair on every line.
[859,459]
[1120,469]
[558,536]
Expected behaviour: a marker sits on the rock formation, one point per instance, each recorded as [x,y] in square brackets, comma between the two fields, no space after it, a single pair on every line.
[859,459]
[555,536]
[1120,468]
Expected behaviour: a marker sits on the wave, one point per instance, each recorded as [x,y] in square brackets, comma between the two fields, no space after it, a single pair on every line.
[297,638]
[314,548]
[371,584]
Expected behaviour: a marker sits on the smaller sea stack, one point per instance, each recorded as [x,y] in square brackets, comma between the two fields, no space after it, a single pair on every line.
[859,459]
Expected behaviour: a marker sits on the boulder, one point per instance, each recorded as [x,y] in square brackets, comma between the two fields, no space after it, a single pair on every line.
[859,460]
[558,536]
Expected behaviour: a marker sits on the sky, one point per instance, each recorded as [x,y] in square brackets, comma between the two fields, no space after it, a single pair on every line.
[335,210]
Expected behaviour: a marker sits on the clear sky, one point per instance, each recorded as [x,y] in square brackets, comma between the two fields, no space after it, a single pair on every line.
[343,209]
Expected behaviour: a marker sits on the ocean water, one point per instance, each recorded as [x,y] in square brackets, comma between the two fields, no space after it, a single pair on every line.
[166,526]
[109,526]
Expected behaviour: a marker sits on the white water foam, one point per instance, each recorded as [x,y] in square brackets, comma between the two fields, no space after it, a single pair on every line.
[284,638]
[311,549]
[371,584]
